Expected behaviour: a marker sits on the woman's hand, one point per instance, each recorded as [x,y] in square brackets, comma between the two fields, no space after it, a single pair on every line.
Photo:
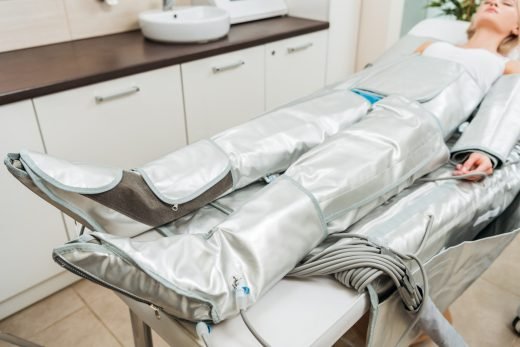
[477,162]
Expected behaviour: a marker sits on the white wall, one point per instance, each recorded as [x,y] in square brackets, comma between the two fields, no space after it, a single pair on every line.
[29,23]
[344,18]
[414,12]
[311,9]
[380,28]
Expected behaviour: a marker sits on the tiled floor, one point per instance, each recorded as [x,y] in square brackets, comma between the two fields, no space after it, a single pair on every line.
[87,315]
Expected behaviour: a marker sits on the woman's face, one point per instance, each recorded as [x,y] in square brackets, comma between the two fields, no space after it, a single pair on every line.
[500,15]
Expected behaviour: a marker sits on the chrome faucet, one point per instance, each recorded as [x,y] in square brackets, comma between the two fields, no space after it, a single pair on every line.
[168,4]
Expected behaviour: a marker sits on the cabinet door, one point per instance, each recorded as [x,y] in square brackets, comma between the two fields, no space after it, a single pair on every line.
[124,122]
[294,67]
[29,226]
[223,91]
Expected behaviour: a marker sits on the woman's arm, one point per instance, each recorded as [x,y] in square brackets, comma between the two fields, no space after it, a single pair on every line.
[512,67]
[422,47]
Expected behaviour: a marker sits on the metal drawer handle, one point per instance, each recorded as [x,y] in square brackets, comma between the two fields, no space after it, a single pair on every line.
[103,98]
[217,69]
[299,48]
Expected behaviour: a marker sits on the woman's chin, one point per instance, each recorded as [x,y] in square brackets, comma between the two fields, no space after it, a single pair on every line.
[492,22]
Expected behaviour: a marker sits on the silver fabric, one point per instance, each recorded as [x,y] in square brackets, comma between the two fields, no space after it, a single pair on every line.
[263,146]
[466,207]
[270,143]
[403,48]
[186,173]
[496,127]
[103,218]
[455,103]
[415,77]
[71,177]
[361,167]
[264,238]
[192,276]
[209,216]
[450,273]
[93,215]
[461,210]
[443,87]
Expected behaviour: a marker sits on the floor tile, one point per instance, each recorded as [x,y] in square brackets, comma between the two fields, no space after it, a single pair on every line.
[43,314]
[112,311]
[356,335]
[158,341]
[425,344]
[89,291]
[81,329]
[483,315]
[114,314]
[505,271]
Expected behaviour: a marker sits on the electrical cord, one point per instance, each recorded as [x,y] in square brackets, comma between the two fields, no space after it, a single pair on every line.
[421,308]
[461,177]
[242,292]
[203,331]
[241,296]
[361,261]
[356,265]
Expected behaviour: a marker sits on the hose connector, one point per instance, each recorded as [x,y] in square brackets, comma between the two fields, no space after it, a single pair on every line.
[203,330]
[242,292]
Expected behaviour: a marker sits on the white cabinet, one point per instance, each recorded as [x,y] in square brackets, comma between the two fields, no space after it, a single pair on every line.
[343,17]
[223,91]
[294,67]
[124,122]
[29,227]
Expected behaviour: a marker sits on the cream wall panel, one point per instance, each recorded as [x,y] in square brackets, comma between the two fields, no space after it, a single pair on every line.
[343,17]
[343,39]
[28,23]
[312,9]
[380,28]
[89,18]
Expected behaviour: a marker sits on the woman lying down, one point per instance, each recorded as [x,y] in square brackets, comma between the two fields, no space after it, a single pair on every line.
[493,34]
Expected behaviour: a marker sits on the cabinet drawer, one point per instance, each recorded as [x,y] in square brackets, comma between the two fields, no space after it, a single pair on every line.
[29,226]
[124,122]
[295,67]
[223,91]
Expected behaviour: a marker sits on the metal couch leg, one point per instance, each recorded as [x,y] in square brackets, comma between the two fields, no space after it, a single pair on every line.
[142,332]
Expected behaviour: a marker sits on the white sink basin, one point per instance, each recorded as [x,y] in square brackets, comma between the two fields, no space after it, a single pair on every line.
[185,24]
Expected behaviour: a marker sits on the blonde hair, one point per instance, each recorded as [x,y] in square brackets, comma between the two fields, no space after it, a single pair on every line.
[507,45]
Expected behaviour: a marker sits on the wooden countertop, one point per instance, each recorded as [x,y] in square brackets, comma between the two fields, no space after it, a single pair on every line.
[38,71]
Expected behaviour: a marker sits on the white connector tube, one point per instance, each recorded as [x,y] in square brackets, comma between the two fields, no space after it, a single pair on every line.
[203,331]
